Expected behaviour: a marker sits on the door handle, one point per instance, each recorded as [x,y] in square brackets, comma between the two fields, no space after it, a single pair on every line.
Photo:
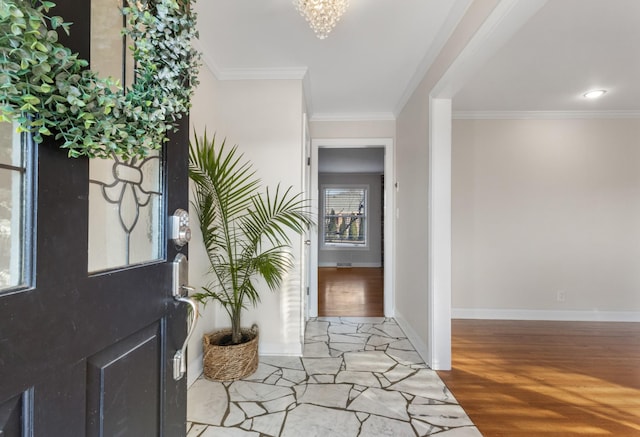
[180,357]
[180,293]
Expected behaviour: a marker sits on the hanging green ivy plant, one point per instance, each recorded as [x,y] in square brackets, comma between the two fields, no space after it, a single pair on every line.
[48,90]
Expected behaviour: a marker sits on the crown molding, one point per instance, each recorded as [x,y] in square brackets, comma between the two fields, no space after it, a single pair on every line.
[206,59]
[442,36]
[292,73]
[371,116]
[541,115]
[507,17]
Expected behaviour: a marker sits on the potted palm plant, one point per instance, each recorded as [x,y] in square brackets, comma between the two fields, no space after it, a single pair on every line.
[245,232]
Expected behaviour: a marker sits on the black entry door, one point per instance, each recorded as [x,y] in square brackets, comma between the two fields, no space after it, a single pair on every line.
[88,334]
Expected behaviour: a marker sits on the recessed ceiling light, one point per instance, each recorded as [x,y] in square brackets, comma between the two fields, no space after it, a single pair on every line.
[594,94]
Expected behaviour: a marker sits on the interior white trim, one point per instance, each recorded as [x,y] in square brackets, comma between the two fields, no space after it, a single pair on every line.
[559,315]
[389,218]
[308,101]
[206,59]
[370,116]
[299,73]
[505,20]
[457,12]
[439,339]
[542,115]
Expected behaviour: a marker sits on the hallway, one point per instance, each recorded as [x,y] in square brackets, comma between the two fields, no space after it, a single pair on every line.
[350,292]
[359,377]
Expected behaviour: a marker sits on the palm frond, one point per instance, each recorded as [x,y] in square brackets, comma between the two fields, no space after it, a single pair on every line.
[245,233]
[271,216]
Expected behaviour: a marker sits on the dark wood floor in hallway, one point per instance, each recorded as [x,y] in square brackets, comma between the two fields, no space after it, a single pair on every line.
[564,379]
[350,292]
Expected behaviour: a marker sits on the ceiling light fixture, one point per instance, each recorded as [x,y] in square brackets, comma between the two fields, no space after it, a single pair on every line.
[594,94]
[322,15]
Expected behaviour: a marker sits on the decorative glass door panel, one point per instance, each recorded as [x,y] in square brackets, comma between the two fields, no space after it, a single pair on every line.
[125,199]
[125,205]
[13,218]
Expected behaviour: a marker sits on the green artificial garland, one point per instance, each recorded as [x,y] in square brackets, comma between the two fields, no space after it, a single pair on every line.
[48,90]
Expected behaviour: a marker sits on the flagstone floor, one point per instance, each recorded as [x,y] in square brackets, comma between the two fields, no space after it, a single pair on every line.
[359,377]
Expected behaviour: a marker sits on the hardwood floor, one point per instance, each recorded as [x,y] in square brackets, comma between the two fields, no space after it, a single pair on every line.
[547,378]
[350,292]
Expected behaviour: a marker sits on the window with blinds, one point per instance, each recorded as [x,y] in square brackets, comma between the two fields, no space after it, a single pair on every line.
[345,212]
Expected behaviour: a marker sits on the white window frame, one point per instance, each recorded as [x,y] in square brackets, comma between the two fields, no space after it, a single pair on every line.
[345,245]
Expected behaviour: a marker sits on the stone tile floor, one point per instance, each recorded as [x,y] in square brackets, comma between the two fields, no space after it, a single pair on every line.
[359,377]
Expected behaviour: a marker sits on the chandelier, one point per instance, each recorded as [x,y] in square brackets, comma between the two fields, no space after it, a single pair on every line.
[322,15]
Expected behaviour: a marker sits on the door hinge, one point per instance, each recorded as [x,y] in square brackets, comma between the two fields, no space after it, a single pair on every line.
[308,160]
[307,291]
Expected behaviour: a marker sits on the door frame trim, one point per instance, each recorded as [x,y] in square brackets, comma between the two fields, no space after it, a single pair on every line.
[389,215]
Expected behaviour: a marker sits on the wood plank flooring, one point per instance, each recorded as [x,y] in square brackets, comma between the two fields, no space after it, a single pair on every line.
[520,378]
[350,292]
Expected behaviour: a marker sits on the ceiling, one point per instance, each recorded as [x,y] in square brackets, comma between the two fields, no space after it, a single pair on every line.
[567,48]
[377,52]
[363,67]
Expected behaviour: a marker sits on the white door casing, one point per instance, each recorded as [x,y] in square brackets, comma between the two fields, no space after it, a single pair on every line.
[389,216]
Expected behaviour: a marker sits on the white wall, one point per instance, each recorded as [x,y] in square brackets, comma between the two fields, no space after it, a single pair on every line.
[264,118]
[200,117]
[546,206]
[370,256]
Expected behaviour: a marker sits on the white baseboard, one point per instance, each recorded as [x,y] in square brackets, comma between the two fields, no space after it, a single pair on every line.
[366,265]
[419,344]
[551,315]
[282,349]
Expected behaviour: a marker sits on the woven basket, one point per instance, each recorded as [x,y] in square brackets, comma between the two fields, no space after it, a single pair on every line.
[232,362]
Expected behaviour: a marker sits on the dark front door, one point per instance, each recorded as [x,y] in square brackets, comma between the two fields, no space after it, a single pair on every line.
[88,324]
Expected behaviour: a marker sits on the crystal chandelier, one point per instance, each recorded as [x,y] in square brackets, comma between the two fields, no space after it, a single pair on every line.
[322,15]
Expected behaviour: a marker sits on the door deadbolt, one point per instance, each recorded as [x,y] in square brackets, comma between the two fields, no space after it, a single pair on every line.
[179,230]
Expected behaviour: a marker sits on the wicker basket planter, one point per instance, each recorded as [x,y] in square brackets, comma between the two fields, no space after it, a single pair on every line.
[230,362]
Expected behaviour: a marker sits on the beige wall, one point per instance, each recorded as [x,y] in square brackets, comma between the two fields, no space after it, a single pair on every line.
[542,206]
[264,118]
[412,170]
[412,175]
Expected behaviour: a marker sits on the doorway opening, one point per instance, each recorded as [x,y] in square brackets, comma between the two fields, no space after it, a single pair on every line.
[350,260]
